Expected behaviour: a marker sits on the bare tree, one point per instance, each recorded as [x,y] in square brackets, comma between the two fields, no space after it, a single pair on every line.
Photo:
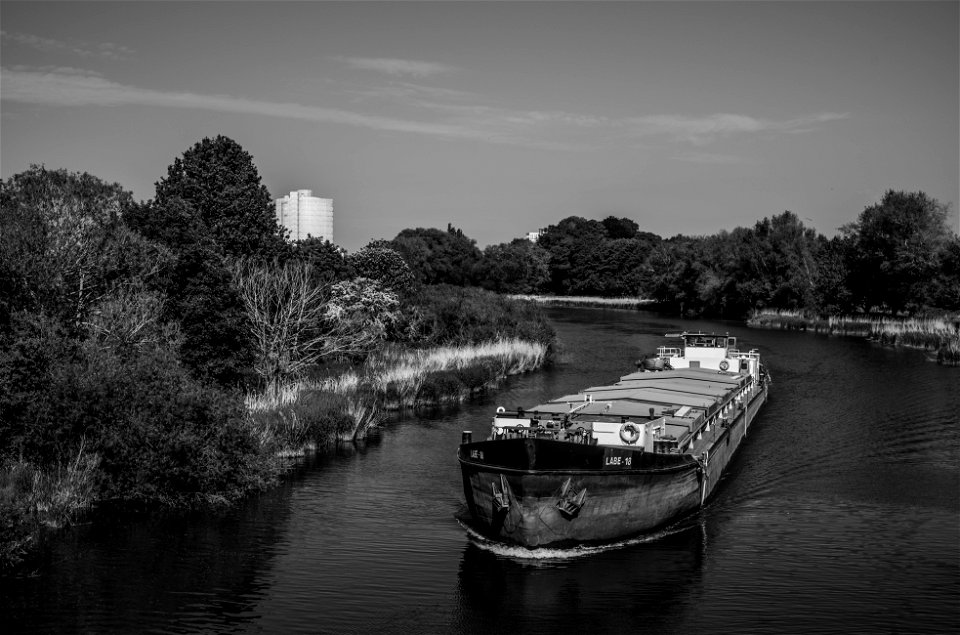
[130,318]
[295,323]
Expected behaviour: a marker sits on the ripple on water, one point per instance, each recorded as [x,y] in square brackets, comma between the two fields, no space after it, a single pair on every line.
[546,555]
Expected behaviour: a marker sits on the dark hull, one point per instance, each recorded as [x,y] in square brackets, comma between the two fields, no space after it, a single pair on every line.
[516,489]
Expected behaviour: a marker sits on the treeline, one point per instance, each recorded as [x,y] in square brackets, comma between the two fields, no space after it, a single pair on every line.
[132,331]
[899,255]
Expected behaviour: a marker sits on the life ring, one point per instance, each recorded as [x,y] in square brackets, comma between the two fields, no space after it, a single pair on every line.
[724,365]
[629,433]
[501,409]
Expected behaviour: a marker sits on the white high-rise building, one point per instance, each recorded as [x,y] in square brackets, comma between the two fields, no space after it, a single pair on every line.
[306,215]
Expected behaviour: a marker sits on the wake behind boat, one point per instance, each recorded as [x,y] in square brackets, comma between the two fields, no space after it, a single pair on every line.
[618,460]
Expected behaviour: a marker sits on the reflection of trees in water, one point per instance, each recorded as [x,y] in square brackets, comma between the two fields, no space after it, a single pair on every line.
[166,571]
[643,586]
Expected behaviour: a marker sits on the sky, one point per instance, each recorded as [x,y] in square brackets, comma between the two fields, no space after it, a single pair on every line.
[502,117]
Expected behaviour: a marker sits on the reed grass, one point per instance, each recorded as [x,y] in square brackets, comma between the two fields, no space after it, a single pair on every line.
[949,353]
[936,333]
[585,301]
[348,406]
[33,499]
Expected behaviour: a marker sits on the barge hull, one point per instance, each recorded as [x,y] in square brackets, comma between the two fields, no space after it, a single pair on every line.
[524,505]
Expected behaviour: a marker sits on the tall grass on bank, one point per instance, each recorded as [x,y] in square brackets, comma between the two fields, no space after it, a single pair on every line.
[32,498]
[346,407]
[941,334]
[585,301]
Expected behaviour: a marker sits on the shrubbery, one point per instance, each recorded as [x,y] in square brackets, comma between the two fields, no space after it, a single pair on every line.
[158,433]
[451,315]
[145,348]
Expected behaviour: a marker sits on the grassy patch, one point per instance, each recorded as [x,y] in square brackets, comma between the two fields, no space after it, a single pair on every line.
[585,301]
[346,407]
[938,333]
[34,499]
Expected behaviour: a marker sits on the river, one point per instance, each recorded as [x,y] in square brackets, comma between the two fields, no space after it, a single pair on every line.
[840,513]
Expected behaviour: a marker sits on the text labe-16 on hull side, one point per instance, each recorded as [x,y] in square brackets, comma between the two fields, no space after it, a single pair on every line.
[617,460]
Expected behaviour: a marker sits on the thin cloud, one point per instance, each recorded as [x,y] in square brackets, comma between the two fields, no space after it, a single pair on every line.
[104,50]
[72,89]
[398,67]
[703,130]
[468,109]
[708,158]
[446,114]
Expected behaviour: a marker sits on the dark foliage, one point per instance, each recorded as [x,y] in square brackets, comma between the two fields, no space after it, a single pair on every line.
[203,300]
[463,315]
[899,246]
[385,266]
[440,387]
[516,267]
[159,433]
[215,191]
[438,257]
[329,261]
[61,244]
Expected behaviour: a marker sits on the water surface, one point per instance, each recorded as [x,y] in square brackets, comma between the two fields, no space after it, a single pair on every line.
[839,513]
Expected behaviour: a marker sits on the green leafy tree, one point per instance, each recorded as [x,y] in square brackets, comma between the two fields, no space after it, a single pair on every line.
[385,266]
[614,268]
[328,262]
[775,264]
[572,245]
[516,267]
[620,227]
[215,189]
[438,257]
[210,209]
[833,294]
[899,244]
[62,247]
[946,285]
[203,299]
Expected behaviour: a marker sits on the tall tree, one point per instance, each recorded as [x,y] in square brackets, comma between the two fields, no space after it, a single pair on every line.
[215,188]
[899,246]
[61,244]
[515,267]
[572,244]
[620,227]
[438,257]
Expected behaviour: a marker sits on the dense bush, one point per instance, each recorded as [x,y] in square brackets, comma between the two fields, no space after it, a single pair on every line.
[476,377]
[440,387]
[159,433]
[464,315]
[287,425]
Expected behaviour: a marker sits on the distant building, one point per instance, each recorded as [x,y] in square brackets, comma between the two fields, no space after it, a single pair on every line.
[534,236]
[306,215]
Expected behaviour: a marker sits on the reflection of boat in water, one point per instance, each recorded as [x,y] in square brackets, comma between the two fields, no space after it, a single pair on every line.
[617,460]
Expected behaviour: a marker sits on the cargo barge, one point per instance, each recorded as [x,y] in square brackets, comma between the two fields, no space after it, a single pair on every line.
[614,461]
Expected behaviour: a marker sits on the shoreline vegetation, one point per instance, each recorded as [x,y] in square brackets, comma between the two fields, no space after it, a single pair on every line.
[309,414]
[939,334]
[586,301]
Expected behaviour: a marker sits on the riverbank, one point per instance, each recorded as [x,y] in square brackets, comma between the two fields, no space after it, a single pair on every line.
[299,417]
[586,301]
[344,408]
[939,335]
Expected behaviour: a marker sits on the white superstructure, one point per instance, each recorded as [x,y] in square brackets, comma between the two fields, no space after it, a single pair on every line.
[306,215]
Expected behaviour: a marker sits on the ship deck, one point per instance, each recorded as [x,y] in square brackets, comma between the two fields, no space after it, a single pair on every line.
[683,402]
